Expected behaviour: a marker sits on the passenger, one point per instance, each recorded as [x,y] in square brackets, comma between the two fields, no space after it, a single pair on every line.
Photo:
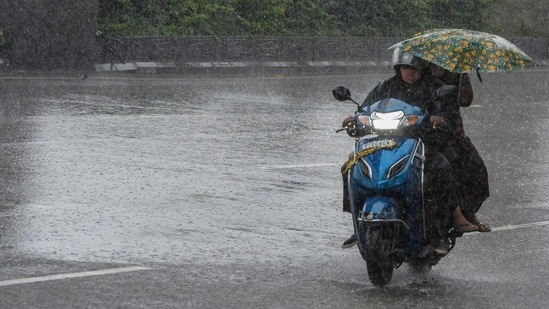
[471,175]
[411,85]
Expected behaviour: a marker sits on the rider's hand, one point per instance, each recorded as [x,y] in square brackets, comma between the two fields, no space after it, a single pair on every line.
[349,125]
[348,122]
[437,121]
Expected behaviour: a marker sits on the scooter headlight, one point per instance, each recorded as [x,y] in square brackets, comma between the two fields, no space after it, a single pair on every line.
[393,120]
[386,121]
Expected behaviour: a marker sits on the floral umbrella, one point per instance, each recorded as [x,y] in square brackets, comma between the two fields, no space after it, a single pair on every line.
[463,51]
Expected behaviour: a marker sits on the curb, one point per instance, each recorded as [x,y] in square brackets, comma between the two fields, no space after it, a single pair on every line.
[173,67]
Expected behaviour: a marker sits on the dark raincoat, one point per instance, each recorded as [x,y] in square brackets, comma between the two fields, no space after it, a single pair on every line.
[469,170]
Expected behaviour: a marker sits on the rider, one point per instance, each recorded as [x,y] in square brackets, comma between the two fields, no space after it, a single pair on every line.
[467,165]
[411,85]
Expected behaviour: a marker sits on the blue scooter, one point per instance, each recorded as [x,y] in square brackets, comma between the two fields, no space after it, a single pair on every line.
[386,186]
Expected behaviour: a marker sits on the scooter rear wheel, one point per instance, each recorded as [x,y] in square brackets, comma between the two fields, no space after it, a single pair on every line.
[419,267]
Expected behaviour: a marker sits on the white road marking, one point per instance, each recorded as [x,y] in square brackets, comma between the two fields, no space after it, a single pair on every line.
[520,226]
[513,227]
[300,166]
[72,275]
[137,268]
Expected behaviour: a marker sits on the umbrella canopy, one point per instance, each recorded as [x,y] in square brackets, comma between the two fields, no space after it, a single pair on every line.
[463,51]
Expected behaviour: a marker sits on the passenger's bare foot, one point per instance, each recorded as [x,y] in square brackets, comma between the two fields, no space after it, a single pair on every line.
[482,227]
[461,224]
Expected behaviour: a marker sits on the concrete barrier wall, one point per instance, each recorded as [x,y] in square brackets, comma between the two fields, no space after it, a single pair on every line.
[196,49]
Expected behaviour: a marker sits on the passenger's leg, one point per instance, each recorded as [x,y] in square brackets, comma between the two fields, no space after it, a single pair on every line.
[440,200]
[474,183]
[457,158]
[474,176]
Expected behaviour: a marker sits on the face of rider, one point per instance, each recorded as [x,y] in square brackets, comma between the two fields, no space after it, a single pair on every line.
[410,74]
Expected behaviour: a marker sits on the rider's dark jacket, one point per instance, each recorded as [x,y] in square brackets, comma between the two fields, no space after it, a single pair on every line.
[395,87]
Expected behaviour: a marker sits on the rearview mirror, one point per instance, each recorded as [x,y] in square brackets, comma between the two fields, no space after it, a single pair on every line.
[341,93]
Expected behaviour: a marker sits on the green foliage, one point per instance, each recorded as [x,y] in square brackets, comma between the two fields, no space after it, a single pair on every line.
[289,17]
[520,18]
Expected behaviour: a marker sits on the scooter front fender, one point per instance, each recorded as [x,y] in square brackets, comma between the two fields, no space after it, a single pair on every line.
[381,229]
[379,209]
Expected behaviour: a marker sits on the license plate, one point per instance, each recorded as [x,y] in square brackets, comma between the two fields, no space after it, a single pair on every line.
[384,143]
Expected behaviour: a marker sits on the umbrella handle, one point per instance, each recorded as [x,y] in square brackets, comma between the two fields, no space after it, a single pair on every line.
[478,74]
[459,90]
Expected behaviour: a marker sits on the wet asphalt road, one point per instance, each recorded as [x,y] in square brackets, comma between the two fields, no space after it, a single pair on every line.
[200,192]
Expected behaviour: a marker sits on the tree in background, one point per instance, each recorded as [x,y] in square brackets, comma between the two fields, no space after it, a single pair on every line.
[406,17]
[379,18]
[521,18]
[215,18]
[369,18]
[163,17]
[310,18]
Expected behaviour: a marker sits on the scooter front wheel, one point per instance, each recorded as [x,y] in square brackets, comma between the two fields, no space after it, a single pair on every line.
[377,253]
